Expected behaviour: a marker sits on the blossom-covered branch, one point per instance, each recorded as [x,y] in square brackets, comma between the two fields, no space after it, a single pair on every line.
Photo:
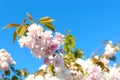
[62,61]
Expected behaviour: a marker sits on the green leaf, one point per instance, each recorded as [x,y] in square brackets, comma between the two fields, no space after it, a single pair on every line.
[45,19]
[51,69]
[18,72]
[11,26]
[7,73]
[14,36]
[20,31]
[30,17]
[14,78]
[79,67]
[78,53]
[24,72]
[50,26]
[69,42]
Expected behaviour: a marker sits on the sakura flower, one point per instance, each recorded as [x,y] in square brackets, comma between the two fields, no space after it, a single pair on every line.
[39,77]
[5,60]
[43,67]
[105,61]
[46,61]
[54,78]
[94,72]
[34,30]
[94,69]
[47,35]
[25,41]
[30,77]
[48,76]
[110,50]
[53,45]
[41,43]
[59,37]
[36,52]
[58,61]
[4,66]
[47,53]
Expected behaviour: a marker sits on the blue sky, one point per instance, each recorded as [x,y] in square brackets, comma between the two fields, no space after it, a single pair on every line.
[90,21]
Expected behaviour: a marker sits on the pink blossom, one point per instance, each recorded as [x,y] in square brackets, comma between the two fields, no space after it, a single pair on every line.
[5,60]
[35,30]
[58,61]
[41,43]
[59,37]
[47,35]
[105,61]
[47,52]
[110,49]
[46,61]
[4,66]
[93,77]
[36,52]
[53,45]
[94,69]
[94,73]
[25,41]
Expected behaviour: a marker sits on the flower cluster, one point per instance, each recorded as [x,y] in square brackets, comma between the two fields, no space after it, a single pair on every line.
[40,42]
[62,61]
[43,44]
[69,66]
[91,71]
[39,77]
[5,60]
[95,68]
[110,49]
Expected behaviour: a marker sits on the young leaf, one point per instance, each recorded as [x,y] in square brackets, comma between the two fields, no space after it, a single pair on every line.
[18,72]
[14,78]
[79,67]
[45,19]
[51,69]
[78,54]
[26,26]
[20,31]
[7,73]
[30,17]
[50,26]
[24,72]
[47,22]
[14,36]
[11,26]
[69,42]
[23,22]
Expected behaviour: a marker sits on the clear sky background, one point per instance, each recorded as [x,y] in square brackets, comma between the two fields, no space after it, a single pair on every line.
[90,21]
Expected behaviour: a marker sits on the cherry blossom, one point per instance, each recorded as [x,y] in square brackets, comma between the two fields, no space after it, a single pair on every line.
[45,44]
[58,61]
[5,60]
[41,43]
